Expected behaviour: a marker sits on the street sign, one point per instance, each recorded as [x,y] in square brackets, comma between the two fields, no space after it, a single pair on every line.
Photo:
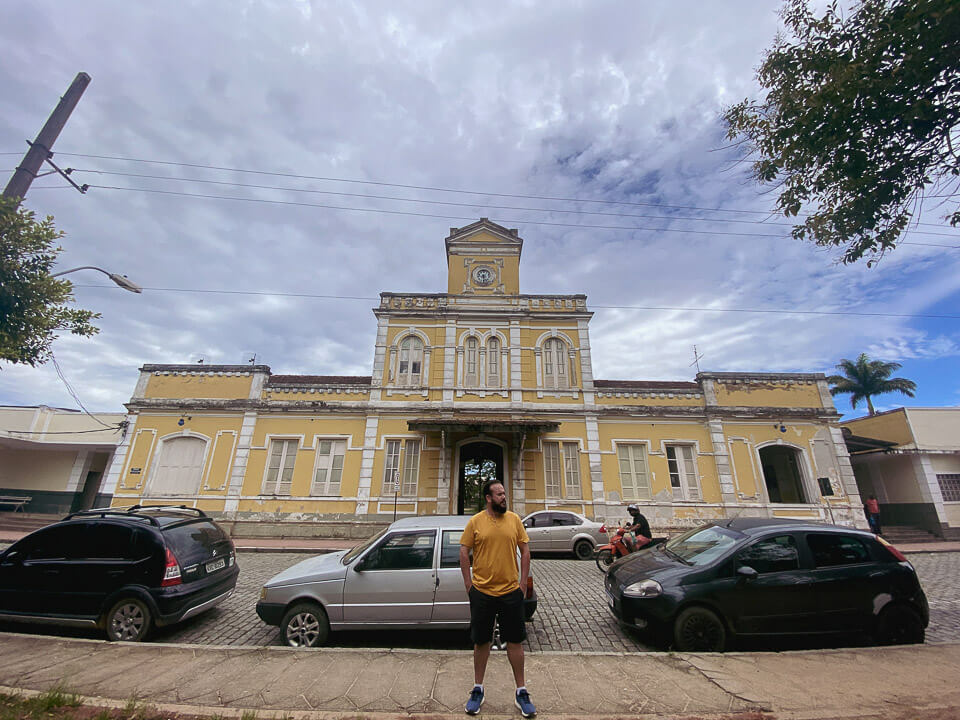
[396,481]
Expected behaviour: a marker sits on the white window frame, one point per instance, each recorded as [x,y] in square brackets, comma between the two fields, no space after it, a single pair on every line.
[556,365]
[687,477]
[493,362]
[275,486]
[415,352]
[561,470]
[634,489]
[471,354]
[403,455]
[327,464]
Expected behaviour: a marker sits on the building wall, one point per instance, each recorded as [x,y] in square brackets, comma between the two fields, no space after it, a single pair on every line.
[725,418]
[935,428]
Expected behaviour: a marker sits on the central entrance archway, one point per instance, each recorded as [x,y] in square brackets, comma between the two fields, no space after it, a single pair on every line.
[479,462]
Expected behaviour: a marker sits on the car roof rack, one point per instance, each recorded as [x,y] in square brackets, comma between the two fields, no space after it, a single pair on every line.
[142,511]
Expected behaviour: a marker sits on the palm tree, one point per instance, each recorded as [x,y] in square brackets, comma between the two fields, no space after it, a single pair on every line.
[865,377]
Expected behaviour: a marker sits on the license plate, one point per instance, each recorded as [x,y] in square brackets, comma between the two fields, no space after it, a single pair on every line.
[216,565]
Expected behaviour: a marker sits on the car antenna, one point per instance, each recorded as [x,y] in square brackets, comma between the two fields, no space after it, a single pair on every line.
[730,522]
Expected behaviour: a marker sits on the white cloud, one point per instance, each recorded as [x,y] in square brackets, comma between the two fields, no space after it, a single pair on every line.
[605,101]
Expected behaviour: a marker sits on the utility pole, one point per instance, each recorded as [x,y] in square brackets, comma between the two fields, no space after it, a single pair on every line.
[41,149]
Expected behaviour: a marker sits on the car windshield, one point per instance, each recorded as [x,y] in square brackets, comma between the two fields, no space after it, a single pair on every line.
[702,546]
[358,549]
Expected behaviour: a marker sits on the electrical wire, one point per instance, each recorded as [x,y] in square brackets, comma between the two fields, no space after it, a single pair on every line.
[582,226]
[394,198]
[115,428]
[854,313]
[73,393]
[417,187]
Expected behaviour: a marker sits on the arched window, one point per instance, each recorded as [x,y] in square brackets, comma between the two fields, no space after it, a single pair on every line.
[411,362]
[555,368]
[180,466]
[470,362]
[493,362]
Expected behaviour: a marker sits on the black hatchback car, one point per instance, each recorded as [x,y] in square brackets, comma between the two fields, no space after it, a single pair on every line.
[761,576]
[122,570]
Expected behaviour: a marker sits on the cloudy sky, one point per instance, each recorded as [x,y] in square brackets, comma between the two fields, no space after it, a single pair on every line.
[369,129]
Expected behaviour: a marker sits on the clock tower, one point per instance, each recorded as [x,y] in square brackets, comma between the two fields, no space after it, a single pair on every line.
[483,259]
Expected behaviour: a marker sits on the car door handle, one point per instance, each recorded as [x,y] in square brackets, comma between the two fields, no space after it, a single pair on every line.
[115,573]
[51,572]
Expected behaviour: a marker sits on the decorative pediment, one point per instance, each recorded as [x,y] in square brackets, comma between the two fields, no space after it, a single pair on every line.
[485,232]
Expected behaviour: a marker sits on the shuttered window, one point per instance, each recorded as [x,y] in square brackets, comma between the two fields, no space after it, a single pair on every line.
[634,476]
[561,469]
[470,363]
[493,363]
[683,472]
[410,363]
[283,456]
[402,457]
[555,366]
[326,478]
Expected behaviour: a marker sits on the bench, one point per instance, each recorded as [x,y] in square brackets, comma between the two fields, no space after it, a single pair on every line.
[16,501]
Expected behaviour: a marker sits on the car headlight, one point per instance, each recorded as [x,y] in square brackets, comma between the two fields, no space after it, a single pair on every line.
[263,593]
[642,589]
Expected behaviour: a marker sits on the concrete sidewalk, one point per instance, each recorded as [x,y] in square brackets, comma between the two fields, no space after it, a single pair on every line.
[878,683]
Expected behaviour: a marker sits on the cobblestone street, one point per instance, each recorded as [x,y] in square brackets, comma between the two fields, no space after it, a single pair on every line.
[572,613]
[571,616]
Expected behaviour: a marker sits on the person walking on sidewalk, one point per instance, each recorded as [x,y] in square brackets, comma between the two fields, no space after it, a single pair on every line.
[872,508]
[495,534]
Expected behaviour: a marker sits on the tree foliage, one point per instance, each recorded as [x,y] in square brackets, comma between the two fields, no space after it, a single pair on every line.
[865,378]
[33,305]
[860,121]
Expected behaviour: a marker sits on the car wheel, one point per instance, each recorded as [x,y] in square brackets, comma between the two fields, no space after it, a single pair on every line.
[697,629]
[899,625]
[604,559]
[305,625]
[583,550]
[129,620]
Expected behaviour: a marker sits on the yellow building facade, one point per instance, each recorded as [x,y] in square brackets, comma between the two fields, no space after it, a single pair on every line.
[483,381]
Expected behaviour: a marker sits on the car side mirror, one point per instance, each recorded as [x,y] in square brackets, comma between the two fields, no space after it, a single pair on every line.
[745,572]
[13,557]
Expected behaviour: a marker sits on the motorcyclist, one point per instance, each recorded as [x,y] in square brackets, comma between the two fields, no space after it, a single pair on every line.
[638,525]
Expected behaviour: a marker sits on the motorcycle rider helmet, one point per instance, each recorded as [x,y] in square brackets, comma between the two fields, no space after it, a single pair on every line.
[633,509]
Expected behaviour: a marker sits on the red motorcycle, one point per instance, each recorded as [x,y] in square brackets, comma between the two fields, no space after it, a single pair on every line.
[617,547]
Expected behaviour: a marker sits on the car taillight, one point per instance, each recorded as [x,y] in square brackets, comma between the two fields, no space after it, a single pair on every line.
[892,550]
[171,573]
[603,529]
[529,586]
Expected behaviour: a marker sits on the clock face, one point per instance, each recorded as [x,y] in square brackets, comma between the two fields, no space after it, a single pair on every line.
[483,276]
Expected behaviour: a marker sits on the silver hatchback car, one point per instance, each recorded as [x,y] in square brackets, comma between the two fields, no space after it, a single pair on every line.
[562,531]
[407,576]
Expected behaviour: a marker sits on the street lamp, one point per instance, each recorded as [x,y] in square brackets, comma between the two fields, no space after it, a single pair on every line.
[120,280]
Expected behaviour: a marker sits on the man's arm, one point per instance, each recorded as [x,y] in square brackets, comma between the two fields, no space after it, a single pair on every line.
[524,565]
[465,567]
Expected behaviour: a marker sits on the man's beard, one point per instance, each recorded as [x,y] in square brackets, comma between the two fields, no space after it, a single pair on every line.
[499,509]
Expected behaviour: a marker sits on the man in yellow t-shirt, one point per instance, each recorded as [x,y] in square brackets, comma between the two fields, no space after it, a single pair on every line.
[495,534]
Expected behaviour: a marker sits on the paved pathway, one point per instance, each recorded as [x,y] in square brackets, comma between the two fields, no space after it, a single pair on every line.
[571,616]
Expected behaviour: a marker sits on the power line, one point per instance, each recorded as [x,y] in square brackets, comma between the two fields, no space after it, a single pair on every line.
[115,428]
[447,203]
[73,393]
[582,226]
[419,187]
[773,311]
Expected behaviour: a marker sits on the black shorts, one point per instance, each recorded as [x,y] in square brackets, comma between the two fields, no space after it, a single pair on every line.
[484,609]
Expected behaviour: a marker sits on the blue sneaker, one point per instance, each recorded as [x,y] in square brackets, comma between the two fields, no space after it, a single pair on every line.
[476,700]
[522,701]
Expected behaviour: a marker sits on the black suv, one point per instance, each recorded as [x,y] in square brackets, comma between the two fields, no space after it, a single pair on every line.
[120,569]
